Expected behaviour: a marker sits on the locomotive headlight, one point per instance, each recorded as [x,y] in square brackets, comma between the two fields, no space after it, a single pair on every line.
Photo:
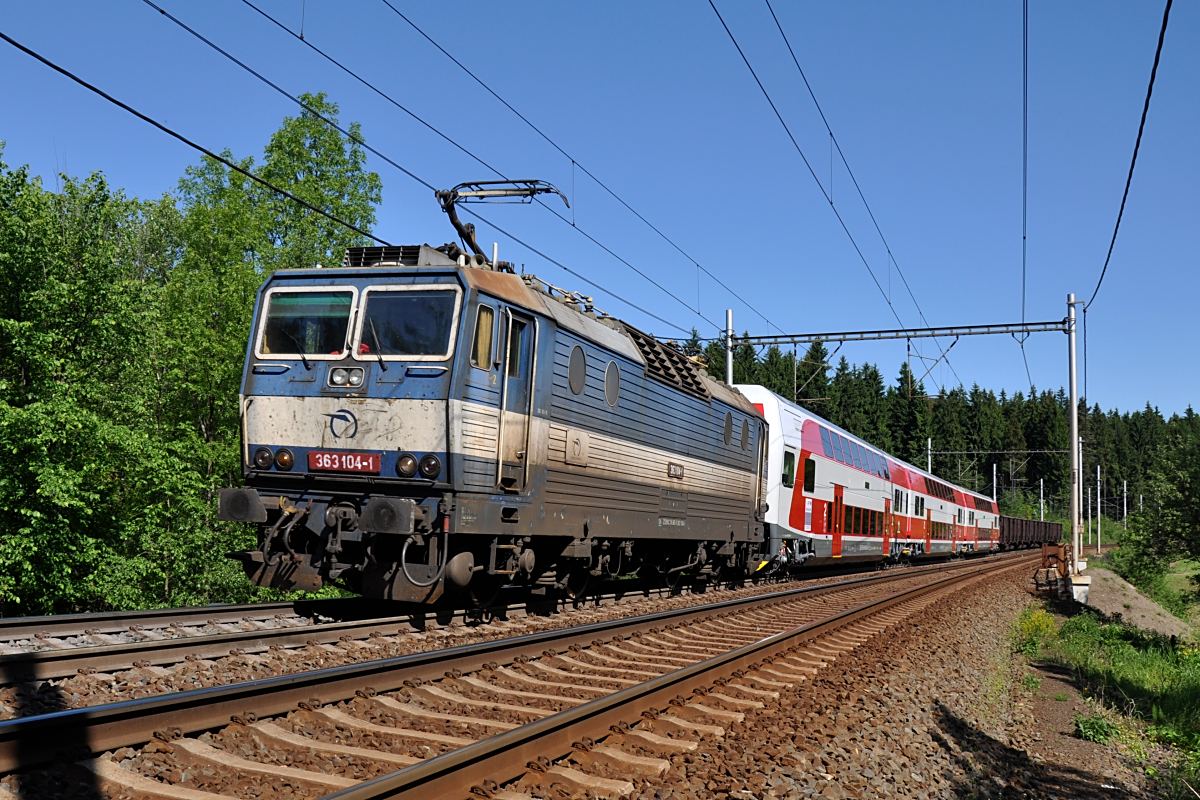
[339,377]
[284,459]
[430,466]
[406,465]
[356,377]
[263,458]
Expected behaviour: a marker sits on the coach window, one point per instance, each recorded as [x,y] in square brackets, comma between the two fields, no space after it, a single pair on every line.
[789,468]
[745,434]
[728,428]
[897,496]
[481,348]
[577,370]
[810,475]
[826,443]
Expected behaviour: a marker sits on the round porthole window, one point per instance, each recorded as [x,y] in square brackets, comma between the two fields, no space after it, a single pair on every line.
[577,370]
[728,428]
[612,383]
[745,434]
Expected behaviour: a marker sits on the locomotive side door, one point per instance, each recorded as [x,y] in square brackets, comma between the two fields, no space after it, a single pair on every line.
[517,370]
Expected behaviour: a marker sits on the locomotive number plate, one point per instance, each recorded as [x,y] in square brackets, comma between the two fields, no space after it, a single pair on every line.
[320,461]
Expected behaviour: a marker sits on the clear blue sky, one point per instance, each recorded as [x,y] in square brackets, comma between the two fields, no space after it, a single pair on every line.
[925,99]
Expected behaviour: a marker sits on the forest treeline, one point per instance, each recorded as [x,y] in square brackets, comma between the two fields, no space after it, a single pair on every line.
[123,325]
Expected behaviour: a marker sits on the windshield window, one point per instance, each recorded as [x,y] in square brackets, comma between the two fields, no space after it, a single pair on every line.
[412,323]
[312,323]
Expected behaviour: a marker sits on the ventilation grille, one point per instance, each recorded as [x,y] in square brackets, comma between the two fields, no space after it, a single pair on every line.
[404,255]
[668,365]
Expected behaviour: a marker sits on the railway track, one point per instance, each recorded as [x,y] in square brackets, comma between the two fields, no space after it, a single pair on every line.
[437,724]
[65,631]
[134,651]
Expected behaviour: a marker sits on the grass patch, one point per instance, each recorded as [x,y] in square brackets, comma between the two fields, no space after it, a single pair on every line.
[1030,682]
[1137,672]
[1032,630]
[1062,697]
[1095,728]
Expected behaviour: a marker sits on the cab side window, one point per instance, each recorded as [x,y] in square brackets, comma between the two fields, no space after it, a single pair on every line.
[810,475]
[789,468]
[481,347]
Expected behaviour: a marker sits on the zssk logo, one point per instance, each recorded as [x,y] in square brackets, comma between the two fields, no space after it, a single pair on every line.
[343,424]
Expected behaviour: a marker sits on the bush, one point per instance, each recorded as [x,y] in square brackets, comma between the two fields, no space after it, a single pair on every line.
[1094,728]
[1033,628]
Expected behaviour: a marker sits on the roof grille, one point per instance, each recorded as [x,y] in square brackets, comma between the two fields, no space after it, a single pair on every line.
[668,364]
[404,255]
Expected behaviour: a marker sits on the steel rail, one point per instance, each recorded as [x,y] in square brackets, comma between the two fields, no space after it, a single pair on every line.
[62,662]
[503,757]
[62,625]
[64,735]
[66,661]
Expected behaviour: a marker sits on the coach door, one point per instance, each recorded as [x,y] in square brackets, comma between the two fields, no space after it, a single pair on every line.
[887,525]
[839,519]
[518,370]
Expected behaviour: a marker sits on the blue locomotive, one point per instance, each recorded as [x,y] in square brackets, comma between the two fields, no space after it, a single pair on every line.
[423,421]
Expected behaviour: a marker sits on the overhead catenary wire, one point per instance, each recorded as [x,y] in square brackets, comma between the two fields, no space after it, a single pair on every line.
[290,196]
[1162,35]
[444,136]
[189,142]
[575,164]
[409,173]
[854,180]
[800,151]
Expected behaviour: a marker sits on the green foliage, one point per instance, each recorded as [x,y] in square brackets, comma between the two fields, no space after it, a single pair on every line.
[1030,682]
[1135,669]
[1061,697]
[1095,728]
[122,334]
[1032,629]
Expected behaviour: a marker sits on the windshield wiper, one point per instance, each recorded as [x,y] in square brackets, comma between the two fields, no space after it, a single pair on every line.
[378,349]
[299,347]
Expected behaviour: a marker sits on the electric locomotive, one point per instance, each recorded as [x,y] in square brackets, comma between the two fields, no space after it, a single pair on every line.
[424,421]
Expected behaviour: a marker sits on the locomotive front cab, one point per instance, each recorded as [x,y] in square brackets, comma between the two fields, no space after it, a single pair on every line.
[345,414]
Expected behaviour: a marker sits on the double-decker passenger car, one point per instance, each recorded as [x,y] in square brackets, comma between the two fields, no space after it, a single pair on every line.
[832,495]
[420,419]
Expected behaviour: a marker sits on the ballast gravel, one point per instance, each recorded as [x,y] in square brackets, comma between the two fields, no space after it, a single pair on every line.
[920,711]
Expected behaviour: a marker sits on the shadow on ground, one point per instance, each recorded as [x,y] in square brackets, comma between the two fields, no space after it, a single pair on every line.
[64,777]
[992,769]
